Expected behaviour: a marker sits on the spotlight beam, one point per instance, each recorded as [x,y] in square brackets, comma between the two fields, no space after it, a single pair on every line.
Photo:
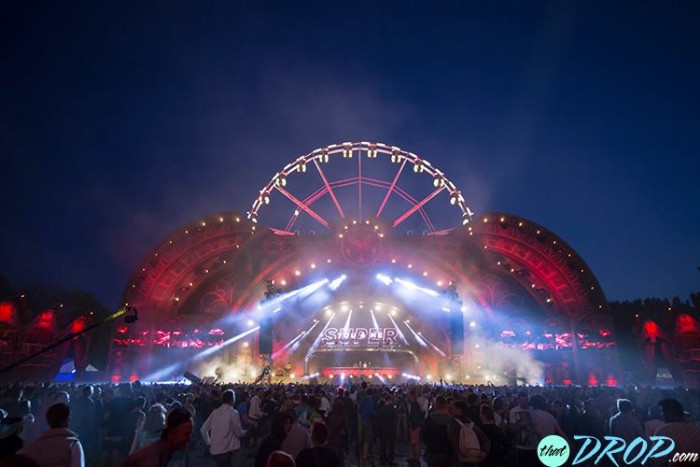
[434,347]
[412,286]
[336,282]
[294,341]
[320,335]
[396,326]
[374,320]
[346,326]
[415,335]
[386,280]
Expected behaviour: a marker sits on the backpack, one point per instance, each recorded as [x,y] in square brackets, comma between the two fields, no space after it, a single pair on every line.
[468,448]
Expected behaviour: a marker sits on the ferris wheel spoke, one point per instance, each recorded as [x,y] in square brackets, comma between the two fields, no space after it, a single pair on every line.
[416,207]
[423,214]
[329,189]
[309,200]
[304,207]
[404,195]
[391,188]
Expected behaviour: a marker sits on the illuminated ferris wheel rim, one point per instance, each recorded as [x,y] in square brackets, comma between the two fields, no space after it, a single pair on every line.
[348,150]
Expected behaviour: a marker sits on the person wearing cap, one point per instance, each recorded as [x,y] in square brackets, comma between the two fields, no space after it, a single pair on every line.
[222,431]
[58,446]
[175,437]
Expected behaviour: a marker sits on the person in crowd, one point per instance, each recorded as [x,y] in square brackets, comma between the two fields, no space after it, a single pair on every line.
[324,403]
[338,429]
[28,431]
[500,445]
[684,433]
[10,436]
[593,421]
[152,426]
[543,422]
[556,408]
[653,420]
[433,432]
[58,446]
[386,418]
[280,459]
[319,455]
[499,412]
[255,416]
[460,412]
[189,405]
[351,416]
[255,412]
[281,425]
[402,415]
[120,418]
[473,405]
[50,397]
[84,422]
[522,426]
[423,402]
[222,431]
[313,413]
[365,411]
[139,415]
[14,395]
[174,438]
[415,420]
[624,424]
[297,437]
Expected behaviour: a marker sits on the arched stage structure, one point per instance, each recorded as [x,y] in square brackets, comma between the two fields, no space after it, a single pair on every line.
[365,259]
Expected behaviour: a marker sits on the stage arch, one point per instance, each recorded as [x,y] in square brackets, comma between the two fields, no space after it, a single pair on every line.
[478,284]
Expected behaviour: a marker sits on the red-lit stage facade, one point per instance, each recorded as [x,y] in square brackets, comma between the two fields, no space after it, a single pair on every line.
[355,275]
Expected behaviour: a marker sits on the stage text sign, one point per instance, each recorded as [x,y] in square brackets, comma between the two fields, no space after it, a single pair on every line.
[360,337]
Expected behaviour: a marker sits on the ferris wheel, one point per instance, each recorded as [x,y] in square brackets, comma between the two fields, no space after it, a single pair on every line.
[360,182]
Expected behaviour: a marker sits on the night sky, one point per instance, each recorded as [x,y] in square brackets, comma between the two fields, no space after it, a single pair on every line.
[119,123]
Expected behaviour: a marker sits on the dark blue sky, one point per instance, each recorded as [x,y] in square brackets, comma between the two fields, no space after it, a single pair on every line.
[120,123]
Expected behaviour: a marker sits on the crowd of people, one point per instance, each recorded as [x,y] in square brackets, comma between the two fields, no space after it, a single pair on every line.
[438,425]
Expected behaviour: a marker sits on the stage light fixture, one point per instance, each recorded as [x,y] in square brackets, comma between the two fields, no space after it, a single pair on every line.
[386,280]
